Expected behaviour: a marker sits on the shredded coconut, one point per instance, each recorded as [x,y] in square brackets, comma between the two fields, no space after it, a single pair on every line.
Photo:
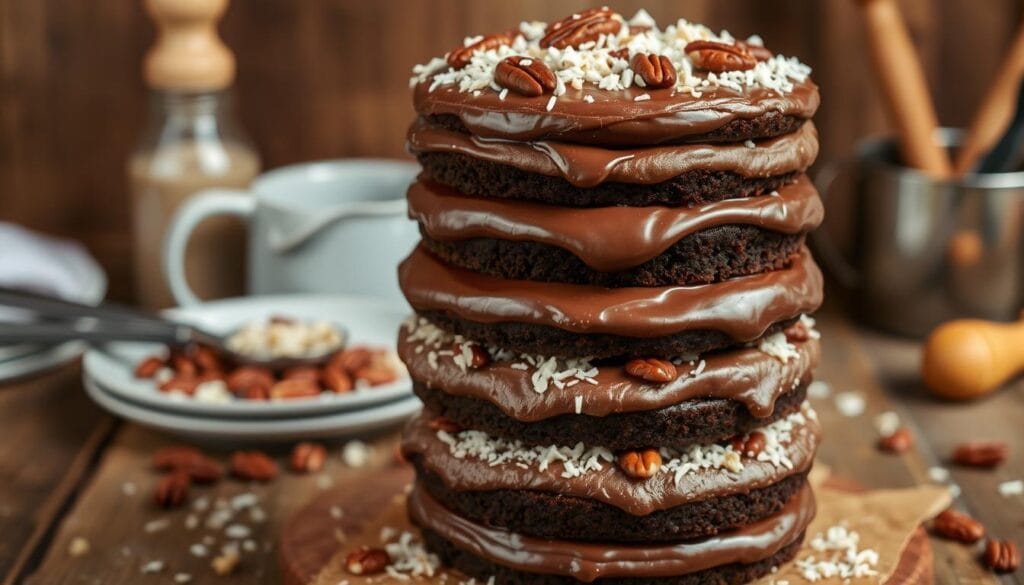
[840,556]
[1009,489]
[408,556]
[850,404]
[600,64]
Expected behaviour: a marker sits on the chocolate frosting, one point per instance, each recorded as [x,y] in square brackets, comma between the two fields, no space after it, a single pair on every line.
[748,376]
[614,118]
[588,166]
[743,308]
[608,485]
[607,238]
[587,562]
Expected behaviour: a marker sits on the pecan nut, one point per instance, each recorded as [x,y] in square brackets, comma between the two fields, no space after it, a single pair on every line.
[246,377]
[253,465]
[656,71]
[172,490]
[953,525]
[751,445]
[176,457]
[441,423]
[1001,556]
[719,57]
[460,57]
[148,367]
[475,355]
[580,28]
[796,333]
[900,441]
[367,561]
[377,374]
[255,393]
[652,370]
[208,360]
[307,373]
[183,366]
[308,457]
[981,454]
[185,384]
[352,359]
[525,76]
[640,464]
[336,379]
[294,388]
[759,52]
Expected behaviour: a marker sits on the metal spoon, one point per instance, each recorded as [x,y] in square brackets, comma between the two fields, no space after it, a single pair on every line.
[66,321]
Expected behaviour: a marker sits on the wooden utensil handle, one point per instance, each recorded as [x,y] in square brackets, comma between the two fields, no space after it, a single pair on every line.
[904,88]
[970,358]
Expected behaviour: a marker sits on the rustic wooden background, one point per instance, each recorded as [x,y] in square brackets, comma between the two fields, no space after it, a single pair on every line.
[328,78]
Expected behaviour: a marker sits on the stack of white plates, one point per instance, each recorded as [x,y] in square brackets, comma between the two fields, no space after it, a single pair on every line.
[110,381]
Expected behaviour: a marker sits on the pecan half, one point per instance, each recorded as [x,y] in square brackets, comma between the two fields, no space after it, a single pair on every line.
[253,465]
[148,367]
[186,384]
[199,467]
[900,441]
[656,70]
[640,464]
[525,76]
[719,57]
[172,490]
[797,333]
[981,453]
[459,57]
[367,561]
[208,360]
[294,388]
[580,28]
[751,445]
[377,374]
[352,359]
[478,356]
[307,373]
[441,423]
[958,526]
[246,377]
[255,393]
[1001,556]
[336,379]
[652,370]
[308,457]
[759,52]
[182,365]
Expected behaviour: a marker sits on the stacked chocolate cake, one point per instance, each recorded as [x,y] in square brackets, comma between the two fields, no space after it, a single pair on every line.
[611,294]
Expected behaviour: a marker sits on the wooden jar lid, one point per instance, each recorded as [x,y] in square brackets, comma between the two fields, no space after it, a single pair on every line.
[188,55]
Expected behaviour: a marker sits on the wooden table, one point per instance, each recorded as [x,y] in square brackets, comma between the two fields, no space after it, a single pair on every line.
[70,472]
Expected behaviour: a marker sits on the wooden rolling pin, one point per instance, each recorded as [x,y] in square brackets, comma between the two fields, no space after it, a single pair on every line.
[994,114]
[969,358]
[904,88]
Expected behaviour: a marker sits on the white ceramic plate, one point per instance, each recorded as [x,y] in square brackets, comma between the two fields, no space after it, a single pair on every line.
[368,321]
[334,426]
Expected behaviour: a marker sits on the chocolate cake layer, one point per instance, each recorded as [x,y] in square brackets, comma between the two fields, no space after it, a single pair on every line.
[489,179]
[474,461]
[573,320]
[601,246]
[545,515]
[531,388]
[586,166]
[619,118]
[512,557]
[692,422]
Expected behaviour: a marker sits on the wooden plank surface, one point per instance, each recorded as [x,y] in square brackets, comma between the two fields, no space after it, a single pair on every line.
[114,507]
[49,434]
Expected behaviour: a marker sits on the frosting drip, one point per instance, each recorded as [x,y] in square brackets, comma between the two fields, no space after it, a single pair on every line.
[609,485]
[743,308]
[607,238]
[590,561]
[614,119]
[588,166]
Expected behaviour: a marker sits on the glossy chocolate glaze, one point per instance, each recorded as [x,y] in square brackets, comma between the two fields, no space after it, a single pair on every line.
[588,166]
[607,239]
[614,118]
[587,562]
[609,485]
[743,308]
[748,376]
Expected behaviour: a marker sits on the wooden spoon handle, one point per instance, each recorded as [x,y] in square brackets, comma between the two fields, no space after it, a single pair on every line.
[904,88]
[996,109]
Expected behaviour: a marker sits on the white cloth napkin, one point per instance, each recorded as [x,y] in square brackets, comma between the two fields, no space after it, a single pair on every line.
[46,265]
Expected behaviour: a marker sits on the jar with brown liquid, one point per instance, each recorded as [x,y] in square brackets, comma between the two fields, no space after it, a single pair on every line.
[191,142]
